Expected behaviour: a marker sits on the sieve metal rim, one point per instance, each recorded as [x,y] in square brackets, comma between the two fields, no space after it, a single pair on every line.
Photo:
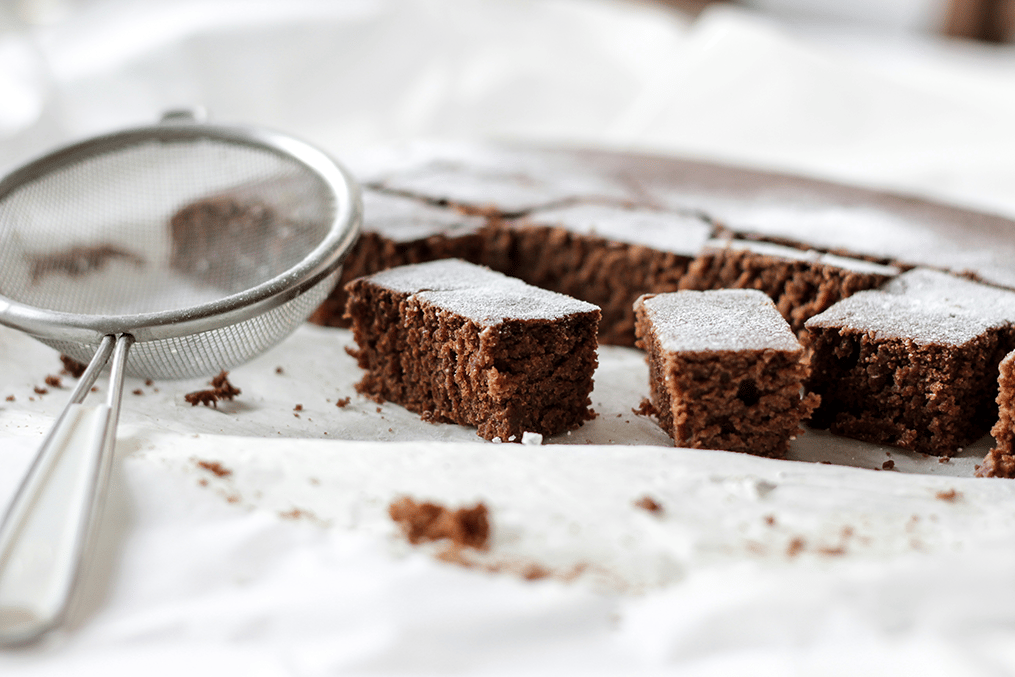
[324,259]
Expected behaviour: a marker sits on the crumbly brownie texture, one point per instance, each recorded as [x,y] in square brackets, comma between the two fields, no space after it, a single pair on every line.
[459,343]
[725,370]
[802,283]
[912,365]
[1000,461]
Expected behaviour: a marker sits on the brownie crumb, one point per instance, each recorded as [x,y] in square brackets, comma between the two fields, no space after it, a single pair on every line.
[770,520]
[343,403]
[293,514]
[645,408]
[39,390]
[949,495]
[298,407]
[215,467]
[137,391]
[836,551]
[53,381]
[279,370]
[795,547]
[944,459]
[148,382]
[888,465]
[10,398]
[466,527]
[221,389]
[534,572]
[72,366]
[649,504]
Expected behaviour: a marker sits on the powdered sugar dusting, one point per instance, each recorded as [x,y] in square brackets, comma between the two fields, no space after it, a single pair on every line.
[480,294]
[663,230]
[925,306]
[720,320]
[405,219]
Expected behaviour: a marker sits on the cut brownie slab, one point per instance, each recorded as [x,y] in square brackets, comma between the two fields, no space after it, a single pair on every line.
[459,343]
[913,364]
[1000,461]
[605,254]
[802,283]
[726,371]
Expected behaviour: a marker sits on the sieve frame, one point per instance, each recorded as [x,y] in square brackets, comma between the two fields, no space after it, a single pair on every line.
[322,261]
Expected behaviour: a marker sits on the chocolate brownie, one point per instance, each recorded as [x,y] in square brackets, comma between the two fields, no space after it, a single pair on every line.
[605,254]
[913,364]
[802,283]
[725,369]
[1000,461]
[459,343]
[398,231]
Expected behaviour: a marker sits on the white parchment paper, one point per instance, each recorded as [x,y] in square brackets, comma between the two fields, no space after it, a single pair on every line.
[289,565]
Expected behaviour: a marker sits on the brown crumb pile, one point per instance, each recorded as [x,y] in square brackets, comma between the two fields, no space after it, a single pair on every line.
[221,389]
[72,366]
[343,403]
[645,408]
[215,467]
[650,504]
[465,527]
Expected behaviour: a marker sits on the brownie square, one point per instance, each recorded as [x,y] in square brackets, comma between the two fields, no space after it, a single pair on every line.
[1000,461]
[912,365]
[459,343]
[726,371]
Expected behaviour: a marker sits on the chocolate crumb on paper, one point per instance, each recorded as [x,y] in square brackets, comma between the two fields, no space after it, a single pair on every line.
[72,366]
[53,381]
[214,467]
[949,495]
[221,389]
[645,408]
[424,521]
[343,402]
[650,504]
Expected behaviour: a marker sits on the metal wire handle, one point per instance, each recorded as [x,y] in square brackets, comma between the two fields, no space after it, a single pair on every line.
[48,525]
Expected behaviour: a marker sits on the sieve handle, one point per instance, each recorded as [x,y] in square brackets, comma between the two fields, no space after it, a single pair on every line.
[45,532]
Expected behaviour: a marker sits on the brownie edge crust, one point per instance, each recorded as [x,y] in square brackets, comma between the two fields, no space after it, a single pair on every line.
[725,371]
[459,343]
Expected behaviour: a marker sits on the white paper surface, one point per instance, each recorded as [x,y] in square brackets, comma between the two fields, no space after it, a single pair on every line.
[755,566]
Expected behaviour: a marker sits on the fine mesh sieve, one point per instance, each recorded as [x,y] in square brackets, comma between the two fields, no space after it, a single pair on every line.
[189,247]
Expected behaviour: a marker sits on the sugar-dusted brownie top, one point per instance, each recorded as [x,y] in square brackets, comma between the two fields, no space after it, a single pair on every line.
[781,251]
[405,219]
[719,320]
[477,293]
[663,230]
[925,306]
